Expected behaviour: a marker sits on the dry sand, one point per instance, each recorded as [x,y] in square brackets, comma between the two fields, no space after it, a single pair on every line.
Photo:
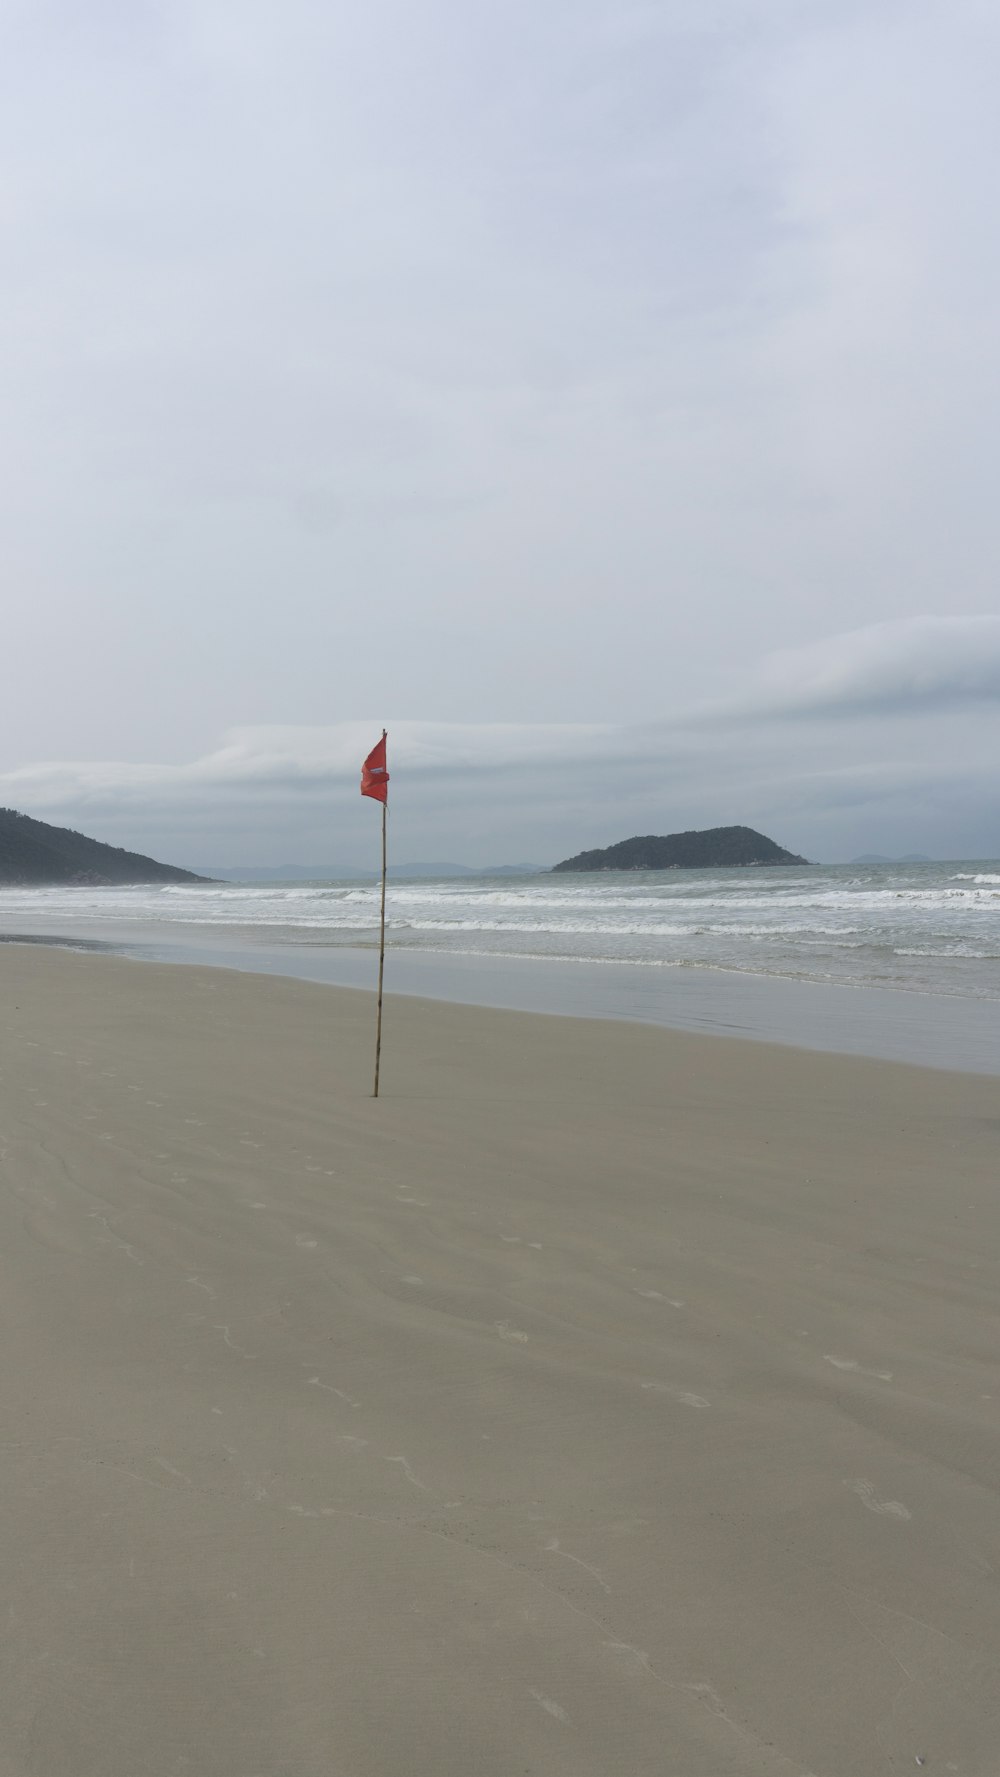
[602,1402]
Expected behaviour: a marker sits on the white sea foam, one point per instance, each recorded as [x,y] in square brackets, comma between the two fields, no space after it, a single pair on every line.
[964,950]
[933,928]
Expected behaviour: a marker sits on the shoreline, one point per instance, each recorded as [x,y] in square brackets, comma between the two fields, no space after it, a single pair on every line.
[629,1398]
[926,1030]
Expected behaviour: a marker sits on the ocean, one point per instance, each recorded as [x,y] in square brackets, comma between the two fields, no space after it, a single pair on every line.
[647,944]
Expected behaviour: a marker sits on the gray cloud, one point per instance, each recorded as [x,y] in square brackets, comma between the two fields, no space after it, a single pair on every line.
[546,365]
[918,663]
[915,757]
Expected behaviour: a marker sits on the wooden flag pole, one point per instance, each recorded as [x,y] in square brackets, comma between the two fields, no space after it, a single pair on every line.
[375,783]
[381,948]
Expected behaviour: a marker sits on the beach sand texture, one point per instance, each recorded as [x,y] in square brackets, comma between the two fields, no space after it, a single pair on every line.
[601,1402]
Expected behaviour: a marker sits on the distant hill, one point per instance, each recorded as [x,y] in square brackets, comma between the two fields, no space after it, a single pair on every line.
[714,848]
[33,854]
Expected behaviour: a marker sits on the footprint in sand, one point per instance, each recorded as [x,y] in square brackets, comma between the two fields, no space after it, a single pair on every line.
[550,1706]
[677,1394]
[887,1508]
[849,1363]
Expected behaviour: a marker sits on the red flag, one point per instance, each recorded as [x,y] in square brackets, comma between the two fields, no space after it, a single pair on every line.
[374,776]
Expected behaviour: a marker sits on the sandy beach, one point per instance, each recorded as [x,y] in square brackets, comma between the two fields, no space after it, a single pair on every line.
[603,1401]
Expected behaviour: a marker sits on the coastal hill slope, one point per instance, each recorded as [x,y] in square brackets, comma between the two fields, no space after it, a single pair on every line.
[33,854]
[711,849]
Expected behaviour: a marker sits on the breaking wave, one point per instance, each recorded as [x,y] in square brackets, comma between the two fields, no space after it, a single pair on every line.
[934,928]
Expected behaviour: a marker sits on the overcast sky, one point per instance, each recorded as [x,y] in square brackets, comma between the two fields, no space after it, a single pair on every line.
[602,395]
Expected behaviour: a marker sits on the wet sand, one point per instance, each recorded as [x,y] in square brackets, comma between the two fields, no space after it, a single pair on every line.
[603,1399]
[935,1030]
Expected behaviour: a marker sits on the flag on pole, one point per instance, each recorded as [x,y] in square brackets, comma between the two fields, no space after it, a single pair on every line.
[375,783]
[374,775]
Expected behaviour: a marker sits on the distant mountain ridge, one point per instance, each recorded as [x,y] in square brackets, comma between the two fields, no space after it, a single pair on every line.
[33,854]
[712,848]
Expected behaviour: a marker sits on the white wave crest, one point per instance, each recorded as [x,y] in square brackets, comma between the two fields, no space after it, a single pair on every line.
[936,929]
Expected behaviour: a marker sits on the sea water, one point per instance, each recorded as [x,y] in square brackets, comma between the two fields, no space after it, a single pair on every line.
[672,946]
[933,928]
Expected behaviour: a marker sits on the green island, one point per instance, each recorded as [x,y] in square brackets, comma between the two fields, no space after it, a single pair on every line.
[712,848]
[33,854]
